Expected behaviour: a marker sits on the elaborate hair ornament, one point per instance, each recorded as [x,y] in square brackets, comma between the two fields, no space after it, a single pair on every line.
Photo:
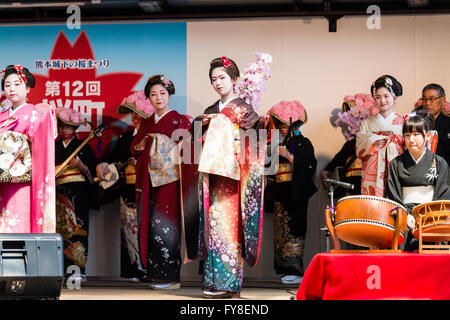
[253,81]
[19,70]
[225,61]
[388,84]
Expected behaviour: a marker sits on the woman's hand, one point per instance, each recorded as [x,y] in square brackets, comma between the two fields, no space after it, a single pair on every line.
[141,145]
[324,174]
[76,163]
[283,151]
[380,143]
[411,222]
[205,120]
[102,170]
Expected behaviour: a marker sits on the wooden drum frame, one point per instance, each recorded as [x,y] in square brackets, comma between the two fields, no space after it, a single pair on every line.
[432,221]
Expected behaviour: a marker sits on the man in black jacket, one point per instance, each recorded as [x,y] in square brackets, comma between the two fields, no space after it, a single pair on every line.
[433,100]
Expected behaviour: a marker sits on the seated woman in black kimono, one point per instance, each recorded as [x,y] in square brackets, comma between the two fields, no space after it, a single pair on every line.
[418,175]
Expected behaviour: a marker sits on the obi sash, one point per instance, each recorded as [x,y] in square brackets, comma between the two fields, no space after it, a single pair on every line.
[284,173]
[419,194]
[163,166]
[15,157]
[69,174]
[220,151]
[354,169]
[130,174]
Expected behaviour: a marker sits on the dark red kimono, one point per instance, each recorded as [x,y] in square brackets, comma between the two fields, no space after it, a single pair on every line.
[158,207]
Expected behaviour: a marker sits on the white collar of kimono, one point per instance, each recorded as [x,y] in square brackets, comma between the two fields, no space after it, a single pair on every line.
[223,105]
[66,144]
[382,119]
[420,158]
[157,118]
[12,111]
[135,132]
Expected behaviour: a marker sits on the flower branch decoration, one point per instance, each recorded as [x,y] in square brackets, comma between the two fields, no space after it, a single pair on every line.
[253,80]
[361,107]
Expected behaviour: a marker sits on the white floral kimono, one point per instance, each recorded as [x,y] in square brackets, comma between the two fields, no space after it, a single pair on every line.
[378,142]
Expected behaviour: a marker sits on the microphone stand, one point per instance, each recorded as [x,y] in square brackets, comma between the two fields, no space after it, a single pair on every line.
[332,211]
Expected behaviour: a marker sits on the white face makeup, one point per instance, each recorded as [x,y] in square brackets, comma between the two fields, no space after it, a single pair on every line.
[222,83]
[16,90]
[159,97]
[384,100]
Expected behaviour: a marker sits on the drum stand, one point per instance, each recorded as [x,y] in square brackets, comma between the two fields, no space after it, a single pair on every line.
[329,221]
[432,248]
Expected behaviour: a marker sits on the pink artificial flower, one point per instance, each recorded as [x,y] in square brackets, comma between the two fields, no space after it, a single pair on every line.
[286,110]
[399,119]
[350,121]
[446,107]
[140,101]
[418,104]
[349,98]
[225,61]
[374,110]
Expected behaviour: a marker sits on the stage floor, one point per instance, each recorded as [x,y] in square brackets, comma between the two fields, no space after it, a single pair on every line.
[118,289]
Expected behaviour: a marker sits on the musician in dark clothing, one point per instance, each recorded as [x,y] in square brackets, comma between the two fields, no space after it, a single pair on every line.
[293,187]
[433,100]
[73,187]
[349,167]
[140,108]
[348,164]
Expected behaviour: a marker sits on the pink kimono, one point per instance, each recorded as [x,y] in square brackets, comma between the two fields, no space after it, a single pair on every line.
[29,207]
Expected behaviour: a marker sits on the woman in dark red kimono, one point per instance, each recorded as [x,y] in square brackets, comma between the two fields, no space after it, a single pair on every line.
[157,187]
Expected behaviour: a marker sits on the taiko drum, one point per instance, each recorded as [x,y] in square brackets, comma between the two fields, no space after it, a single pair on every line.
[368,221]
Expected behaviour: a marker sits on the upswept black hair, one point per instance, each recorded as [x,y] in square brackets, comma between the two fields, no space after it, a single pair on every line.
[159,79]
[422,122]
[388,82]
[9,70]
[230,67]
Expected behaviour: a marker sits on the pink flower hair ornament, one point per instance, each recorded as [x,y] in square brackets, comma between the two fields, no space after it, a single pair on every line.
[70,116]
[355,109]
[287,111]
[225,61]
[137,102]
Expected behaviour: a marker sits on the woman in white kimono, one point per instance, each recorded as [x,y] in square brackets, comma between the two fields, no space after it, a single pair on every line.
[380,137]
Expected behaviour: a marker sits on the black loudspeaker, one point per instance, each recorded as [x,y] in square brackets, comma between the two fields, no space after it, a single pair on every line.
[31,265]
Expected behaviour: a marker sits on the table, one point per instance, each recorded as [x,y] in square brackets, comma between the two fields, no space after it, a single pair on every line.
[372,276]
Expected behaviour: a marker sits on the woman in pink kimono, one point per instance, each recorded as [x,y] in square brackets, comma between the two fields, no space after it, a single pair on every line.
[27,172]
[380,137]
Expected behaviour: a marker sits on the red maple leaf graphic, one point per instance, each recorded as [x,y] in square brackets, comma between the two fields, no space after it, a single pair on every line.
[71,87]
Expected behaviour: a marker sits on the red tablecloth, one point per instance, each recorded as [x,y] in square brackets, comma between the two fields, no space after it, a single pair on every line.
[376,276]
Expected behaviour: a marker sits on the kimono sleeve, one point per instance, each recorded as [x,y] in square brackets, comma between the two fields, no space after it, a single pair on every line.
[43,216]
[393,187]
[441,189]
